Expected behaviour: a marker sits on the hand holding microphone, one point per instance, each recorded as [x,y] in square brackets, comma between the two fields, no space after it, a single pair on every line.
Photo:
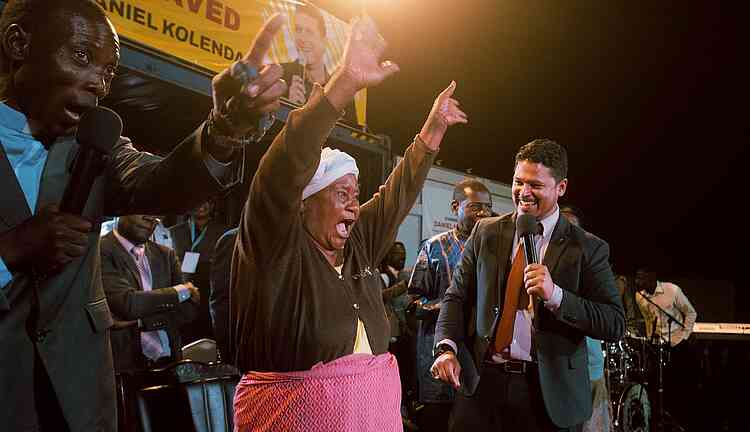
[537,279]
[297,91]
[54,236]
[45,242]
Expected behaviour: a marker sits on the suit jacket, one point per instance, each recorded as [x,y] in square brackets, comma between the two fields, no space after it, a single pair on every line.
[218,301]
[158,309]
[68,324]
[201,327]
[289,309]
[579,264]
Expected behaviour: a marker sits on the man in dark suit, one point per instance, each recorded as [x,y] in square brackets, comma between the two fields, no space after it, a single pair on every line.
[149,300]
[57,60]
[197,237]
[144,285]
[525,324]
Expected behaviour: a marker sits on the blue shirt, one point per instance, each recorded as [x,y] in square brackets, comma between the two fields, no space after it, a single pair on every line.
[27,157]
[596,359]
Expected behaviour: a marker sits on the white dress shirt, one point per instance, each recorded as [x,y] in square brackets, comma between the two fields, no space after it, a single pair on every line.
[520,347]
[670,298]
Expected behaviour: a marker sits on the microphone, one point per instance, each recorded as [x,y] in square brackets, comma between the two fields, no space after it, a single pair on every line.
[527,227]
[653,331]
[98,132]
[303,62]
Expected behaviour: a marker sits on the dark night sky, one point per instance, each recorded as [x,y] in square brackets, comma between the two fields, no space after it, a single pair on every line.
[648,97]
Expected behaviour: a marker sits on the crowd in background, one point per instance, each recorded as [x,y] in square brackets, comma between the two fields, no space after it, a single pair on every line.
[311,273]
[199,248]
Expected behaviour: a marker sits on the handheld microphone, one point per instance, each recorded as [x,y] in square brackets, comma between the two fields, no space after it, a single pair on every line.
[98,132]
[303,62]
[527,227]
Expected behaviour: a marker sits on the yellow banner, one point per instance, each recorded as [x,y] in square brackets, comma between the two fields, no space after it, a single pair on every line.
[212,34]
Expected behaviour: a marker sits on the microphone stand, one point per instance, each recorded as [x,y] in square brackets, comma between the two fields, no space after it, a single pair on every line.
[661,348]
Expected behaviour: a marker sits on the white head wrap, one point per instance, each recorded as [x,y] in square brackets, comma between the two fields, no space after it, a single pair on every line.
[334,164]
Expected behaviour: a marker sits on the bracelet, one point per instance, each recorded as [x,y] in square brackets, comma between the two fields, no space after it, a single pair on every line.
[220,130]
[442,349]
[221,126]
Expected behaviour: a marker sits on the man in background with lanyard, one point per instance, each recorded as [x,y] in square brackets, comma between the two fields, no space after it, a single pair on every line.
[194,242]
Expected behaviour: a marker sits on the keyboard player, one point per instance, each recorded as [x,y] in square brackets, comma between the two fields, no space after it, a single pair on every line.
[653,295]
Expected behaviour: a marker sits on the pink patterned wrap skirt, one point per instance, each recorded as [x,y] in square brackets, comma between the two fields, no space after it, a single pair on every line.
[357,392]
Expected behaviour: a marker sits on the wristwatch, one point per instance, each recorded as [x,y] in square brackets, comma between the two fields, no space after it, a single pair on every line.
[442,349]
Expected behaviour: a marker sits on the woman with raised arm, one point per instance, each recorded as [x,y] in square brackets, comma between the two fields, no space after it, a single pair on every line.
[310,329]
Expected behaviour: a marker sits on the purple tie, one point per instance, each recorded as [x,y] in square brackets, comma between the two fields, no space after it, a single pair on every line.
[150,341]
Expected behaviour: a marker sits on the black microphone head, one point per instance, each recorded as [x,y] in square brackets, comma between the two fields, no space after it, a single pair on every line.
[526,224]
[99,128]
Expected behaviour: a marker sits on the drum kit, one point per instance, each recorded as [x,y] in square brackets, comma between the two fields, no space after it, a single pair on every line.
[627,363]
[633,367]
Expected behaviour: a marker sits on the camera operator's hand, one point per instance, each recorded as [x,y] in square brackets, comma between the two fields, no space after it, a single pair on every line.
[45,242]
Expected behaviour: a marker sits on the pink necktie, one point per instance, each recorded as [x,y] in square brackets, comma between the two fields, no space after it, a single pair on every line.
[150,341]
